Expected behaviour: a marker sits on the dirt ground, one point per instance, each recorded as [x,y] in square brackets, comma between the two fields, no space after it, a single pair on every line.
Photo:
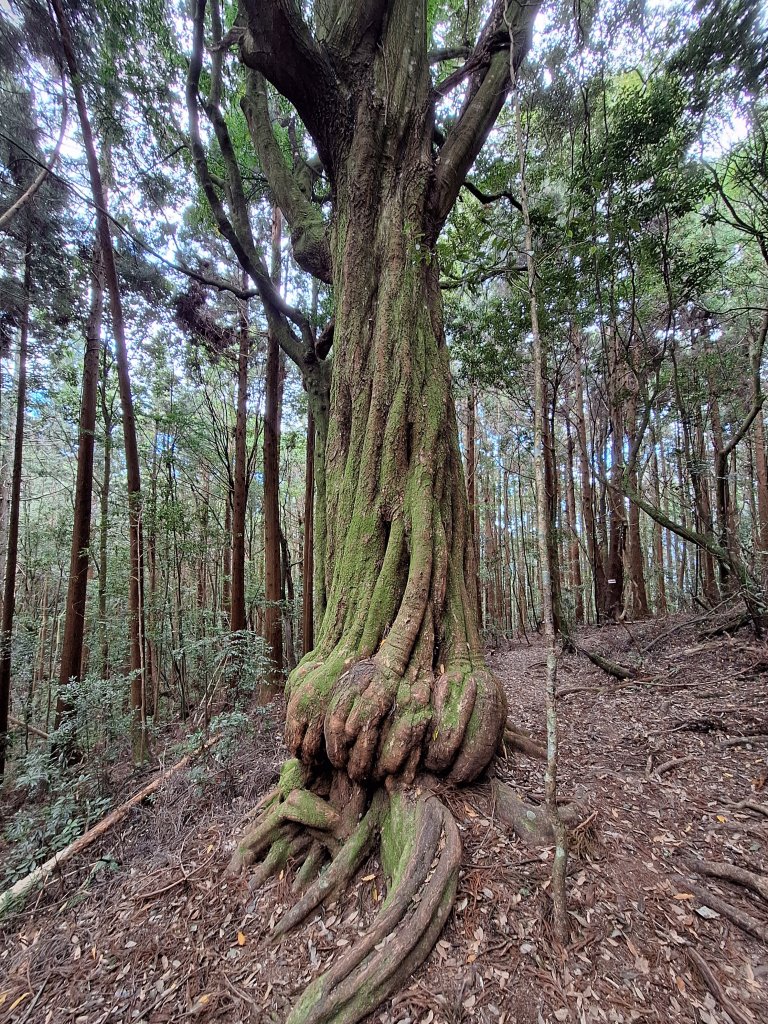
[658,772]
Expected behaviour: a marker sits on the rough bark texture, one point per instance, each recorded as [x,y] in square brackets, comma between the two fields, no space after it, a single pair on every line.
[396,689]
[74,622]
[273,629]
[240,491]
[133,470]
[9,589]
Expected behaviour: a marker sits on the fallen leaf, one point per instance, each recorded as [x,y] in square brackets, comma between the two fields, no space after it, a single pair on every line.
[240,939]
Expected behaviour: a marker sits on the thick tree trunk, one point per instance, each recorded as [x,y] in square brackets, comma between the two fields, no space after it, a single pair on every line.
[397,678]
[273,629]
[74,616]
[9,586]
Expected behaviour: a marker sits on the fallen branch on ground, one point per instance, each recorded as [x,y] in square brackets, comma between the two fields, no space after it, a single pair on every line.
[18,724]
[622,672]
[675,762]
[14,897]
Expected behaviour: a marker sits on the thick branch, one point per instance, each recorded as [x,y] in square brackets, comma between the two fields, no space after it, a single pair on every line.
[250,260]
[308,229]
[279,44]
[25,197]
[484,101]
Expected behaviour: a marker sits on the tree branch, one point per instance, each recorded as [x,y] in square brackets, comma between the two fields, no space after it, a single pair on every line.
[278,43]
[485,98]
[24,198]
[250,260]
[485,198]
[308,229]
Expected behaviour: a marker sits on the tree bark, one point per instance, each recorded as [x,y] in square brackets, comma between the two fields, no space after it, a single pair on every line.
[273,628]
[308,568]
[240,495]
[133,470]
[74,615]
[9,587]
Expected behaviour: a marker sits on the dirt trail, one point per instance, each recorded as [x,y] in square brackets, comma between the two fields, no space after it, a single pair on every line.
[165,939]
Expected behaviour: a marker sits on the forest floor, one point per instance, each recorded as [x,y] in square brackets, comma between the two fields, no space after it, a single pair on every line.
[164,938]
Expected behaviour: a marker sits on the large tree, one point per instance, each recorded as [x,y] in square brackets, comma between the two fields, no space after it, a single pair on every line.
[396,691]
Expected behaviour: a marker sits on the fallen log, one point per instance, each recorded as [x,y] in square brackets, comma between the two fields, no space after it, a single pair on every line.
[18,724]
[612,668]
[14,897]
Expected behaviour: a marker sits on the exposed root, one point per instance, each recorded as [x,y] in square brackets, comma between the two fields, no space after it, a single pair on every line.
[523,743]
[739,917]
[731,873]
[420,852]
[530,822]
[717,989]
[406,929]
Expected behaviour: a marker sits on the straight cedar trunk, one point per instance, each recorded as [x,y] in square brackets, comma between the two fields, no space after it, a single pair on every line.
[574,553]
[658,540]
[226,598]
[108,423]
[273,626]
[308,568]
[470,456]
[594,549]
[77,590]
[761,475]
[240,493]
[550,480]
[635,560]
[617,521]
[133,471]
[9,585]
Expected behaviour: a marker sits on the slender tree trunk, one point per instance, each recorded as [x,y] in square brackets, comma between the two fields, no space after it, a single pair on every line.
[574,553]
[761,474]
[74,615]
[308,569]
[470,456]
[9,588]
[135,590]
[226,598]
[240,497]
[658,540]
[587,497]
[272,591]
[108,421]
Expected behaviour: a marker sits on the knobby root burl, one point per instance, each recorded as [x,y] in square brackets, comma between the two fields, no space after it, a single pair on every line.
[369,750]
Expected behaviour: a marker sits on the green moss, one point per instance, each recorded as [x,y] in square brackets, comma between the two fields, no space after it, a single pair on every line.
[292,776]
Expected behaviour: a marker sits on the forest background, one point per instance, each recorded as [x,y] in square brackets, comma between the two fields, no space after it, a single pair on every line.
[646,170]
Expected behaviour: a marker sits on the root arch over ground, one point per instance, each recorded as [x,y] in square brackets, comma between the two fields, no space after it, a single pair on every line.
[419,849]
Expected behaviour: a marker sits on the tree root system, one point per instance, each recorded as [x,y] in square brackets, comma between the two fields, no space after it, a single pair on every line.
[420,852]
